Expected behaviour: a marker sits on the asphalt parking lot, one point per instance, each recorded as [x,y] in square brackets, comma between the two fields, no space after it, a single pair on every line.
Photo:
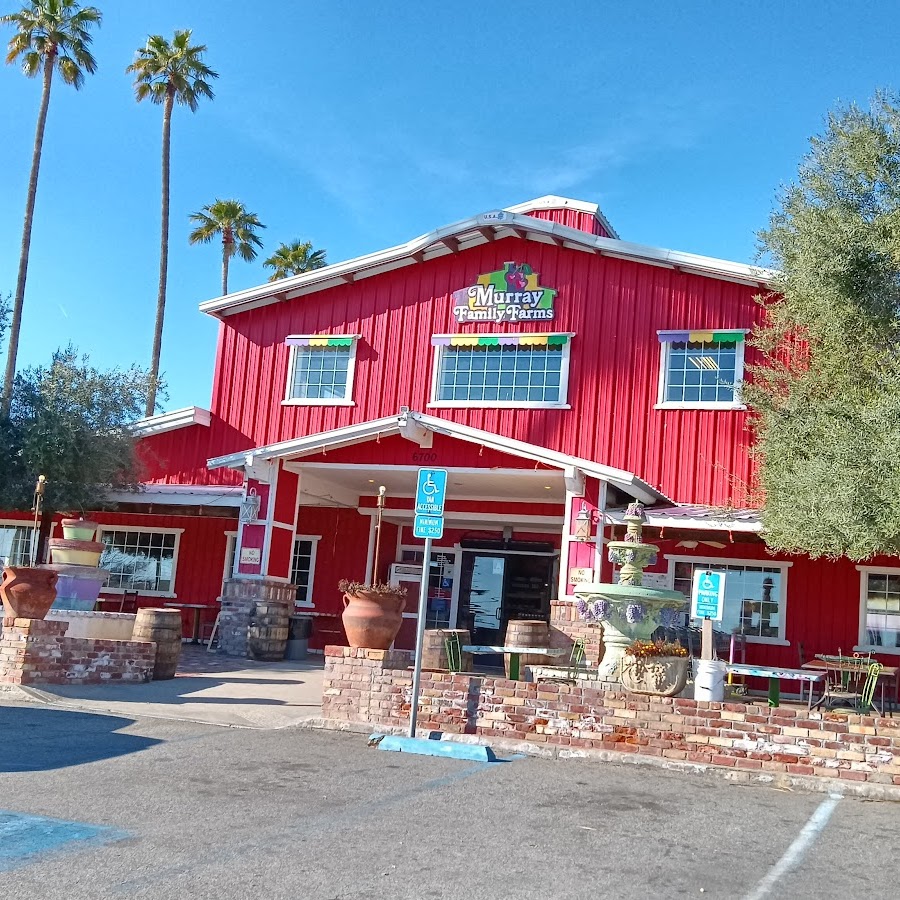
[102,806]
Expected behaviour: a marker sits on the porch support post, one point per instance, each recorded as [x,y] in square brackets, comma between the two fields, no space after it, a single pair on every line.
[590,493]
[574,493]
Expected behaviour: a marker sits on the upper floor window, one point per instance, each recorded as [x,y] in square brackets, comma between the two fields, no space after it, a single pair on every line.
[501,370]
[701,369]
[321,369]
[879,612]
[139,559]
[15,545]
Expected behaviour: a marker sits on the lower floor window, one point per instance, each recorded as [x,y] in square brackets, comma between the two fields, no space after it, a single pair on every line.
[139,560]
[754,595]
[303,567]
[15,545]
[880,609]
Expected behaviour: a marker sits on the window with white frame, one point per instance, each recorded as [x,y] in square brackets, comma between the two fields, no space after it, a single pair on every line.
[303,567]
[15,544]
[755,595]
[321,369]
[880,609]
[230,553]
[502,370]
[701,368]
[140,560]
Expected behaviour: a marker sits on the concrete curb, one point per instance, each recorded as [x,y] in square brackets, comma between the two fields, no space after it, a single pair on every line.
[778,780]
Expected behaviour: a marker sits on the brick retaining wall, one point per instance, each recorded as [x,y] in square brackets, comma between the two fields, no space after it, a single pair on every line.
[374,687]
[36,651]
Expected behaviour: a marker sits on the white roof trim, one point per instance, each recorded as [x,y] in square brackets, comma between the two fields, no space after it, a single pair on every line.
[181,495]
[170,421]
[410,421]
[552,201]
[661,520]
[470,233]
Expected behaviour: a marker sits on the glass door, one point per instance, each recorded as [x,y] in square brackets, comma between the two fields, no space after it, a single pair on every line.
[481,599]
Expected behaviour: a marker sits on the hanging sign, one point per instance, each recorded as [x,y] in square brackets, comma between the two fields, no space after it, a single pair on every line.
[511,294]
[708,595]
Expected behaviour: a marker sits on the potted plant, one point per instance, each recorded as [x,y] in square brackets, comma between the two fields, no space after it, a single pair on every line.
[655,667]
[372,613]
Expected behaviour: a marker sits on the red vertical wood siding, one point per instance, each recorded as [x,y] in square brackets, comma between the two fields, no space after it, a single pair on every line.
[614,307]
[572,218]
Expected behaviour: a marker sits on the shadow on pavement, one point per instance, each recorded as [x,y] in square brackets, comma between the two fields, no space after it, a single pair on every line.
[38,739]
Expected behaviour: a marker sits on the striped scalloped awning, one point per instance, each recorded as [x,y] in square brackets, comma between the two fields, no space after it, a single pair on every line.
[324,341]
[500,340]
[718,337]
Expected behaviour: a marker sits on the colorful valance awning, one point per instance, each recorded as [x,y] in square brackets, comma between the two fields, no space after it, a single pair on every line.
[719,337]
[320,341]
[500,340]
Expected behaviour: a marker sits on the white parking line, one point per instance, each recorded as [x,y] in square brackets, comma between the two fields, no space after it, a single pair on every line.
[794,854]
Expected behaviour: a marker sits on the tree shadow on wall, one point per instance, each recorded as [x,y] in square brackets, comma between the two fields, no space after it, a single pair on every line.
[40,739]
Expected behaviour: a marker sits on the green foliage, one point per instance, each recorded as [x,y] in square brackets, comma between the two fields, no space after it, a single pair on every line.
[177,68]
[55,30]
[825,395]
[230,220]
[70,422]
[294,259]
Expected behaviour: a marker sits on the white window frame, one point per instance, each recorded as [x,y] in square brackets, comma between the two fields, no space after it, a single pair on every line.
[172,594]
[781,640]
[314,540]
[562,403]
[862,646]
[20,523]
[346,400]
[664,350]
[230,555]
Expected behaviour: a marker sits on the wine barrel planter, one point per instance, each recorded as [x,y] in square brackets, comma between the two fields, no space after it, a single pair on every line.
[434,648]
[163,627]
[527,633]
[268,633]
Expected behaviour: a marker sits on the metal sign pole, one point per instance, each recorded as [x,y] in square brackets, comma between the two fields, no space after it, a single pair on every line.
[420,638]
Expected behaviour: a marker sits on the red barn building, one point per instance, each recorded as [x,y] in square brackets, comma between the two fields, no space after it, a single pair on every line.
[553,369]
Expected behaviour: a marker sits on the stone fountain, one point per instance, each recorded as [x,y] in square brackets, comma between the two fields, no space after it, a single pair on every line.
[627,610]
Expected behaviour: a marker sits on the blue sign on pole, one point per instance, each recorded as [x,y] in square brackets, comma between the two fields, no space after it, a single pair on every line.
[431,491]
[708,595]
[428,527]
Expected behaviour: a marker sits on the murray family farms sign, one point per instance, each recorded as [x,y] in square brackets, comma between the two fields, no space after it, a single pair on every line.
[511,294]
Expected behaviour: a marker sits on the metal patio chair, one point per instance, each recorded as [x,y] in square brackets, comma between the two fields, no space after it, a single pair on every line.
[844,679]
[867,696]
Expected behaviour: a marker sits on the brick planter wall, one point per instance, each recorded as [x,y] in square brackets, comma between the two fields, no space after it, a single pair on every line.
[566,626]
[374,687]
[35,651]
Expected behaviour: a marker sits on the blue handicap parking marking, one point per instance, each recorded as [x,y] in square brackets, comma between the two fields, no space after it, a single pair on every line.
[24,839]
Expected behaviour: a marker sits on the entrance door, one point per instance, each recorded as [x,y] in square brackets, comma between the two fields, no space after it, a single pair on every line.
[483,582]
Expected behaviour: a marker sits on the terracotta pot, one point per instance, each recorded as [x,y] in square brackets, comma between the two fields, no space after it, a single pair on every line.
[663,676]
[27,593]
[372,620]
[79,529]
[76,553]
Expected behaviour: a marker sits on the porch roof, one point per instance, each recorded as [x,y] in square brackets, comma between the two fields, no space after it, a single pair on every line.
[419,427]
[699,518]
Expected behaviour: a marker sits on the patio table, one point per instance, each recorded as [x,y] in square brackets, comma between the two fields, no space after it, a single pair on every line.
[197,608]
[775,675]
[514,654]
[888,673]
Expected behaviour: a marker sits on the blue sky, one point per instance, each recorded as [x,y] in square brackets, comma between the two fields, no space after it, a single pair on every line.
[359,125]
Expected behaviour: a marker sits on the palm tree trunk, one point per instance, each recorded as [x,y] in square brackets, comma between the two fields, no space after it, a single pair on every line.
[163,253]
[224,271]
[19,301]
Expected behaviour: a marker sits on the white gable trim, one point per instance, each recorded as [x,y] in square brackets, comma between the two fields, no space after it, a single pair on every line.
[170,421]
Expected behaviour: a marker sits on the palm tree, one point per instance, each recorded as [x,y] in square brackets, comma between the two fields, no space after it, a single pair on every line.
[51,36]
[294,259]
[168,73]
[230,220]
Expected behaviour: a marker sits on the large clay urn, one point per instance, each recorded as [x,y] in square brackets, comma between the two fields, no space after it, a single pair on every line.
[27,593]
[372,619]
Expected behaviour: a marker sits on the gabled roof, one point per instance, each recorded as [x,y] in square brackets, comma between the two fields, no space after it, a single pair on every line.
[413,424]
[700,518]
[170,421]
[482,229]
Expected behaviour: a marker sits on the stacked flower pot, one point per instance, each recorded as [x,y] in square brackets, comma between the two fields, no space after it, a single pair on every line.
[75,557]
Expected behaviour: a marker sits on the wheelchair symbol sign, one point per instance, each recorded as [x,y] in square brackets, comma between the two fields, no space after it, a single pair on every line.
[708,595]
[431,492]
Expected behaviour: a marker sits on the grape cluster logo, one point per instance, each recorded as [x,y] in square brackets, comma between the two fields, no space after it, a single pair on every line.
[511,294]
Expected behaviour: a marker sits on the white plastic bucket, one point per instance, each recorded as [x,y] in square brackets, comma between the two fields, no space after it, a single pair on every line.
[709,679]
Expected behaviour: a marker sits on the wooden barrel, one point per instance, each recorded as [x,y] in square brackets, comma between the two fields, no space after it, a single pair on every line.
[527,633]
[163,627]
[268,633]
[434,649]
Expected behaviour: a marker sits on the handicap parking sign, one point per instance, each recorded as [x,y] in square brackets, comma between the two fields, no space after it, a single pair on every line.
[708,595]
[431,491]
